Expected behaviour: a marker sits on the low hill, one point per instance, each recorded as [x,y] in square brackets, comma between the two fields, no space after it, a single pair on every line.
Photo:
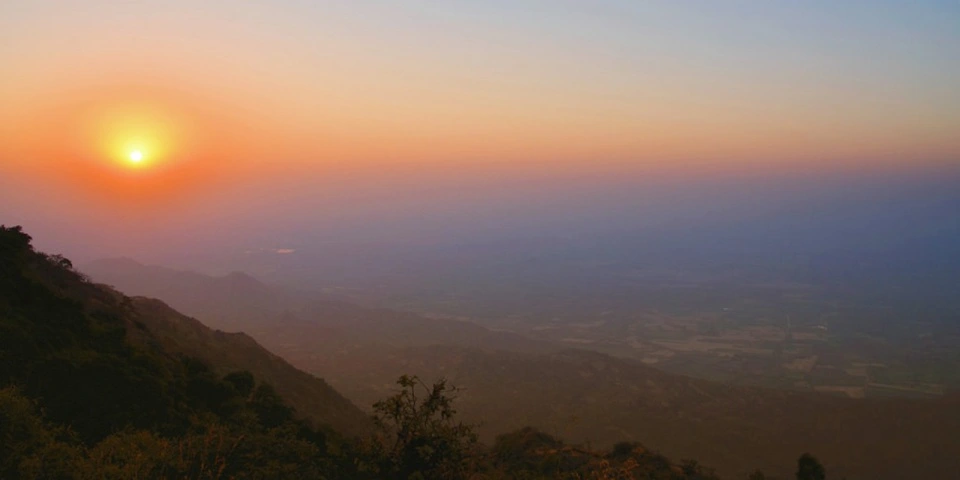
[228,302]
[587,396]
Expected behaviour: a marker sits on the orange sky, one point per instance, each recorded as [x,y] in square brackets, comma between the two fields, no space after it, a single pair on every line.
[219,91]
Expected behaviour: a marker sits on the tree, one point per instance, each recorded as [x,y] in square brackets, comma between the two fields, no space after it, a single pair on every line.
[418,436]
[525,450]
[757,475]
[243,382]
[29,448]
[269,406]
[809,468]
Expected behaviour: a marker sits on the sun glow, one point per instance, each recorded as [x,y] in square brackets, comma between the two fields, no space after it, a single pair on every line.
[137,135]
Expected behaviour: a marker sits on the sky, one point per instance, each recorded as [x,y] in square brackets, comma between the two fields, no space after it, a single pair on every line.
[322,106]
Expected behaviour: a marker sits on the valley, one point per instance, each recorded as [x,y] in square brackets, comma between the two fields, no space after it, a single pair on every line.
[604,381]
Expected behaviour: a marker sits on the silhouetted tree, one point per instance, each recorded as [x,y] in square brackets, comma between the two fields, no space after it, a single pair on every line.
[809,468]
[242,381]
[418,436]
[757,475]
[269,406]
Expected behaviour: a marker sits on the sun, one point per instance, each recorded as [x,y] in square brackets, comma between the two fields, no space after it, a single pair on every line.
[134,137]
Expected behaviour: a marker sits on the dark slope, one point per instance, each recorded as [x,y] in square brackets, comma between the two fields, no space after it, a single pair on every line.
[99,360]
[311,397]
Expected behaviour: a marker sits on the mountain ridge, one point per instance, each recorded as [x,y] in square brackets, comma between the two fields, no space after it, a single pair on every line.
[310,396]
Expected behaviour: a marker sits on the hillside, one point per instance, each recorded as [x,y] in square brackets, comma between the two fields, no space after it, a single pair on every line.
[94,384]
[311,397]
[179,335]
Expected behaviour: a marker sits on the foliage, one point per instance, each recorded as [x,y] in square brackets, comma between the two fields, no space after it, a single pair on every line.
[418,436]
[29,448]
[757,475]
[809,468]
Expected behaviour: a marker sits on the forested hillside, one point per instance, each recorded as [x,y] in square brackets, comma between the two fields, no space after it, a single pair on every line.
[89,391]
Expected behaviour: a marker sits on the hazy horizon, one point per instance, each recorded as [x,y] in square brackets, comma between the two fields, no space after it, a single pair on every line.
[281,125]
